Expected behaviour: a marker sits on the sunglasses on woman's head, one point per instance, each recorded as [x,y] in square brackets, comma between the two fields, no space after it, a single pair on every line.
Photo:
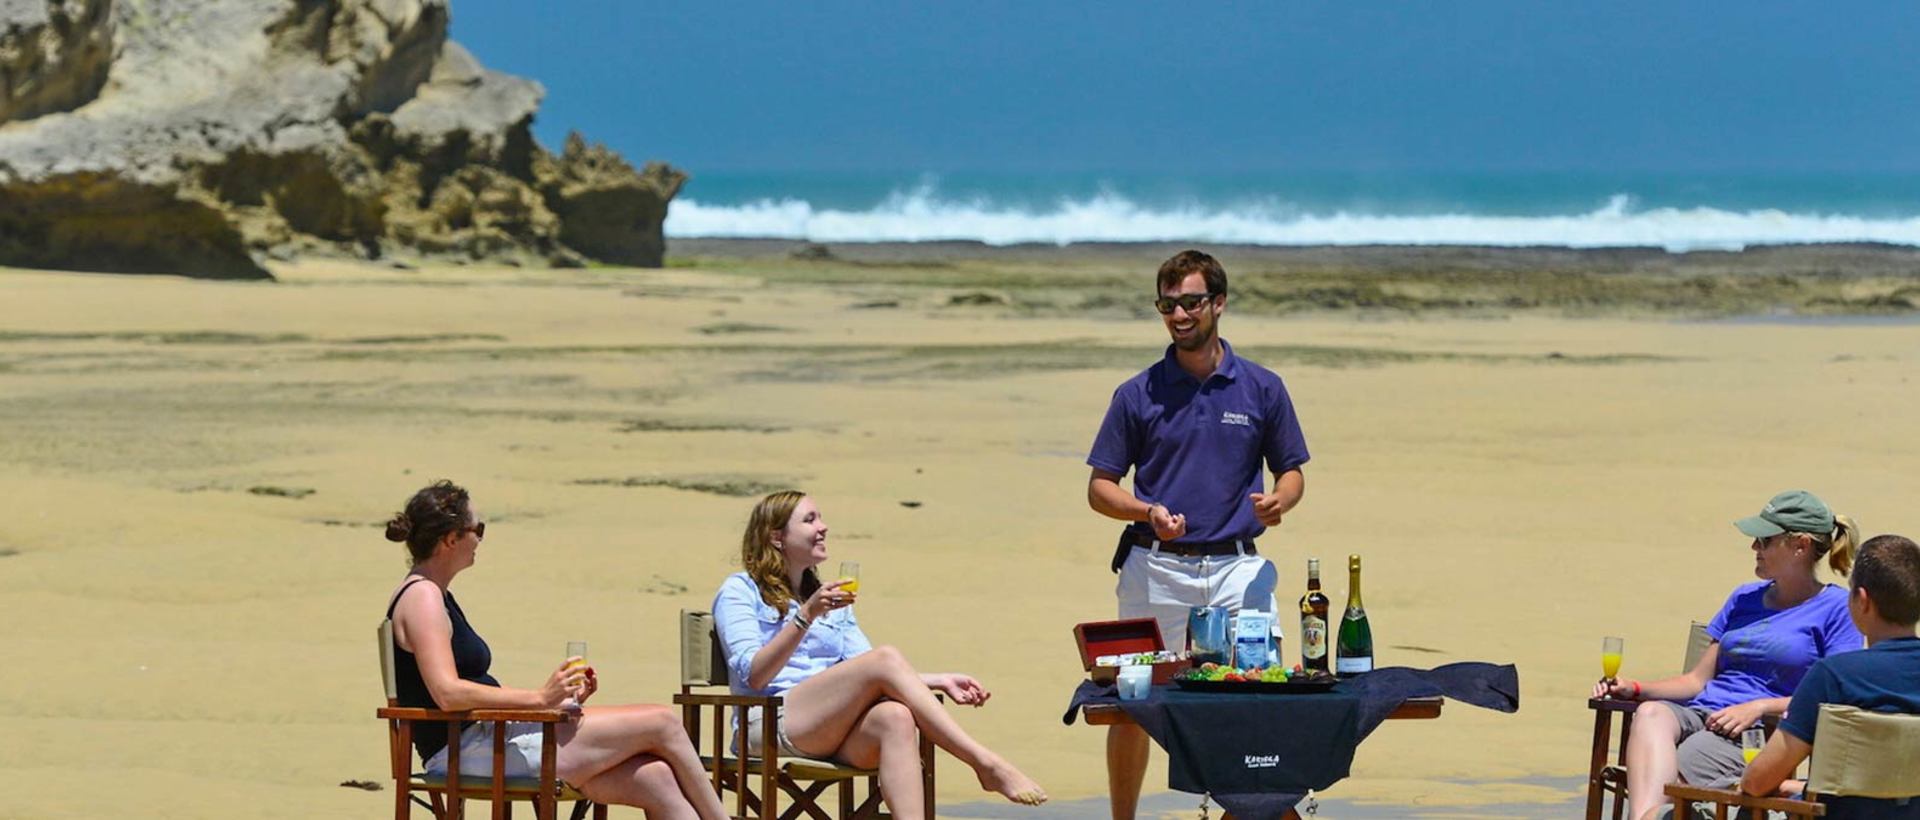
[1188,302]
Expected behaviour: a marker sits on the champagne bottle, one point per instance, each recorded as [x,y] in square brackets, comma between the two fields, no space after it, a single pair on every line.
[1313,621]
[1355,644]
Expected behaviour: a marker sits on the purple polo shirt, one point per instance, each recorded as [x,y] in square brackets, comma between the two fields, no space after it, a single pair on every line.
[1197,447]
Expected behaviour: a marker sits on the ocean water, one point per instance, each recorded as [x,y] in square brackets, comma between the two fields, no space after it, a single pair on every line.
[1678,212]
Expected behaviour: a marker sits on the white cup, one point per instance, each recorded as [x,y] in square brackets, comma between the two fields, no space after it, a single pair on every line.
[1134,682]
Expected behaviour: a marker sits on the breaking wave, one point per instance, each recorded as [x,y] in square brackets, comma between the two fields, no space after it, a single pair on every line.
[921,214]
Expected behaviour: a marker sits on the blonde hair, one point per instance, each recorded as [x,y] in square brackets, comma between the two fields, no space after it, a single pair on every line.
[1839,546]
[763,561]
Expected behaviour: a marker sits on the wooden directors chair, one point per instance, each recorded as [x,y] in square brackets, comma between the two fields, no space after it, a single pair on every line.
[1605,778]
[1865,765]
[757,783]
[449,792]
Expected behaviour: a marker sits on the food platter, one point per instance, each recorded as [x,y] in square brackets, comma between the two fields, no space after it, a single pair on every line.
[1291,687]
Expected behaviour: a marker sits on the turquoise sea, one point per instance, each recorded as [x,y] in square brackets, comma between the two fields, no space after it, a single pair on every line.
[1679,212]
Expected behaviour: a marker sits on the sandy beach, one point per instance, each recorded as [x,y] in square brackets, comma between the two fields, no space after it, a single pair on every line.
[190,571]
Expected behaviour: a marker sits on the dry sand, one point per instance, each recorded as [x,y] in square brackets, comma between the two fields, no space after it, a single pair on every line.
[179,640]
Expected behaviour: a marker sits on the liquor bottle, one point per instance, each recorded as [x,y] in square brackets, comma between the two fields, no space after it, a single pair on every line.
[1355,643]
[1313,621]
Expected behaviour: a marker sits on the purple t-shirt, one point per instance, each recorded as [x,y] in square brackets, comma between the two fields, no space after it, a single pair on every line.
[1197,448]
[1765,652]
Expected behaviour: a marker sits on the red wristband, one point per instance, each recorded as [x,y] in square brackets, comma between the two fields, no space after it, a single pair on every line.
[1636,690]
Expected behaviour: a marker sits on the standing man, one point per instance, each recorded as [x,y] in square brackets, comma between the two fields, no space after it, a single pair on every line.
[1194,429]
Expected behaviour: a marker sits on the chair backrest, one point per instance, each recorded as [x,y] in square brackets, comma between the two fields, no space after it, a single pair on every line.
[386,662]
[702,660]
[1697,643]
[1860,753]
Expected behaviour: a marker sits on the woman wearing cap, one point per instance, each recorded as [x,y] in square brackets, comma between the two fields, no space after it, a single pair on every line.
[1764,638]
[630,755]
[786,633]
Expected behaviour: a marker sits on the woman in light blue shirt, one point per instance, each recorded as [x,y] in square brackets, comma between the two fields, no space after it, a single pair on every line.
[788,634]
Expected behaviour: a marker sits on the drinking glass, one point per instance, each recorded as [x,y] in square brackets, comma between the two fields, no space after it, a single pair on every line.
[1610,657]
[1751,741]
[575,649]
[850,573]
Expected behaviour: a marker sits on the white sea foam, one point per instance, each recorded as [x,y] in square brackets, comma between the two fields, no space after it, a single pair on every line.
[920,215]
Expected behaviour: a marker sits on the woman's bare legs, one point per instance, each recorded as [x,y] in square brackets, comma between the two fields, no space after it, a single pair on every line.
[643,781]
[822,710]
[884,739]
[1652,762]
[605,737]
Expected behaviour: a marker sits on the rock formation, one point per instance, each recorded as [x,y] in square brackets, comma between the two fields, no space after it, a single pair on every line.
[203,136]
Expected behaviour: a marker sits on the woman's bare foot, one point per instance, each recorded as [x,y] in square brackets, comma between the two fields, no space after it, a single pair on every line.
[1000,776]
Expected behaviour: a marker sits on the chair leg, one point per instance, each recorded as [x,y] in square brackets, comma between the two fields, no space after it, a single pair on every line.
[1602,735]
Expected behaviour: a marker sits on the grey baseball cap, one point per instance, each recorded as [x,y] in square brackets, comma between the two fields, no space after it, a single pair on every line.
[1791,511]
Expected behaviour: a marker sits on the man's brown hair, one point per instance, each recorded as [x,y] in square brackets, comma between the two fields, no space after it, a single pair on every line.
[1888,568]
[1187,263]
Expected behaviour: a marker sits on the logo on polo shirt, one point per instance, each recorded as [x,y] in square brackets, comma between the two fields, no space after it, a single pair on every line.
[1230,417]
[1262,761]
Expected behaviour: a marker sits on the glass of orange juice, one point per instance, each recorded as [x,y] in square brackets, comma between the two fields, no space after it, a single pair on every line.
[1751,741]
[850,576]
[575,650]
[1610,657]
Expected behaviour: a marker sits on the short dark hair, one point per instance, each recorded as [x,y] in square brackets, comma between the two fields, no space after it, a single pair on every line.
[1889,570]
[1187,263]
[438,509]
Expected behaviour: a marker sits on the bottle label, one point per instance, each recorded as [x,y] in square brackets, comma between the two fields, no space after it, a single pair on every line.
[1353,666]
[1313,638]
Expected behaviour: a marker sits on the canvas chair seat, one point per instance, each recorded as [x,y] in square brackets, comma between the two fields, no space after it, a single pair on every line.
[480,788]
[804,768]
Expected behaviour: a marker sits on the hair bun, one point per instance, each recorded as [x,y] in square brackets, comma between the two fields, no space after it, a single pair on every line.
[399,527]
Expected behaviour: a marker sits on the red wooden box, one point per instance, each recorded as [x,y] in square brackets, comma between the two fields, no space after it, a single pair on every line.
[1119,638]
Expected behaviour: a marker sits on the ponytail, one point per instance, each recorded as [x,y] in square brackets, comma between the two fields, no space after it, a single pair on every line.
[1844,542]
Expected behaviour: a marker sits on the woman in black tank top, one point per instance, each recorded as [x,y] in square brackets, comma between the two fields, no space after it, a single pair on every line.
[635,755]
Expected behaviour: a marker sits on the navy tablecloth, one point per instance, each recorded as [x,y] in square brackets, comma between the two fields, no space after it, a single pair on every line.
[1259,754]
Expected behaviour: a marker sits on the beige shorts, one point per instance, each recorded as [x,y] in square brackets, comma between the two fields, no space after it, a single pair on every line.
[755,733]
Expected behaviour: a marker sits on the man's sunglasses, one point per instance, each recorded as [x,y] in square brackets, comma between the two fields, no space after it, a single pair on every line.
[479,530]
[1188,302]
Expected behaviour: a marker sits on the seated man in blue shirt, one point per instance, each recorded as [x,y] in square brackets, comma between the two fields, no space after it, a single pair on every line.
[1885,677]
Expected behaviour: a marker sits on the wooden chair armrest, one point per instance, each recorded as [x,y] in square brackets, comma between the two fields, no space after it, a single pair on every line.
[417,713]
[768,701]
[1613,704]
[524,715]
[1731,797]
[413,713]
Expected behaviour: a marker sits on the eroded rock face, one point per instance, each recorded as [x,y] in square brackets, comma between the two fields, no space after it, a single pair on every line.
[273,128]
[54,55]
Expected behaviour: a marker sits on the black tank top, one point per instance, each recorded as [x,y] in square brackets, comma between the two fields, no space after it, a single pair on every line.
[471,659]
